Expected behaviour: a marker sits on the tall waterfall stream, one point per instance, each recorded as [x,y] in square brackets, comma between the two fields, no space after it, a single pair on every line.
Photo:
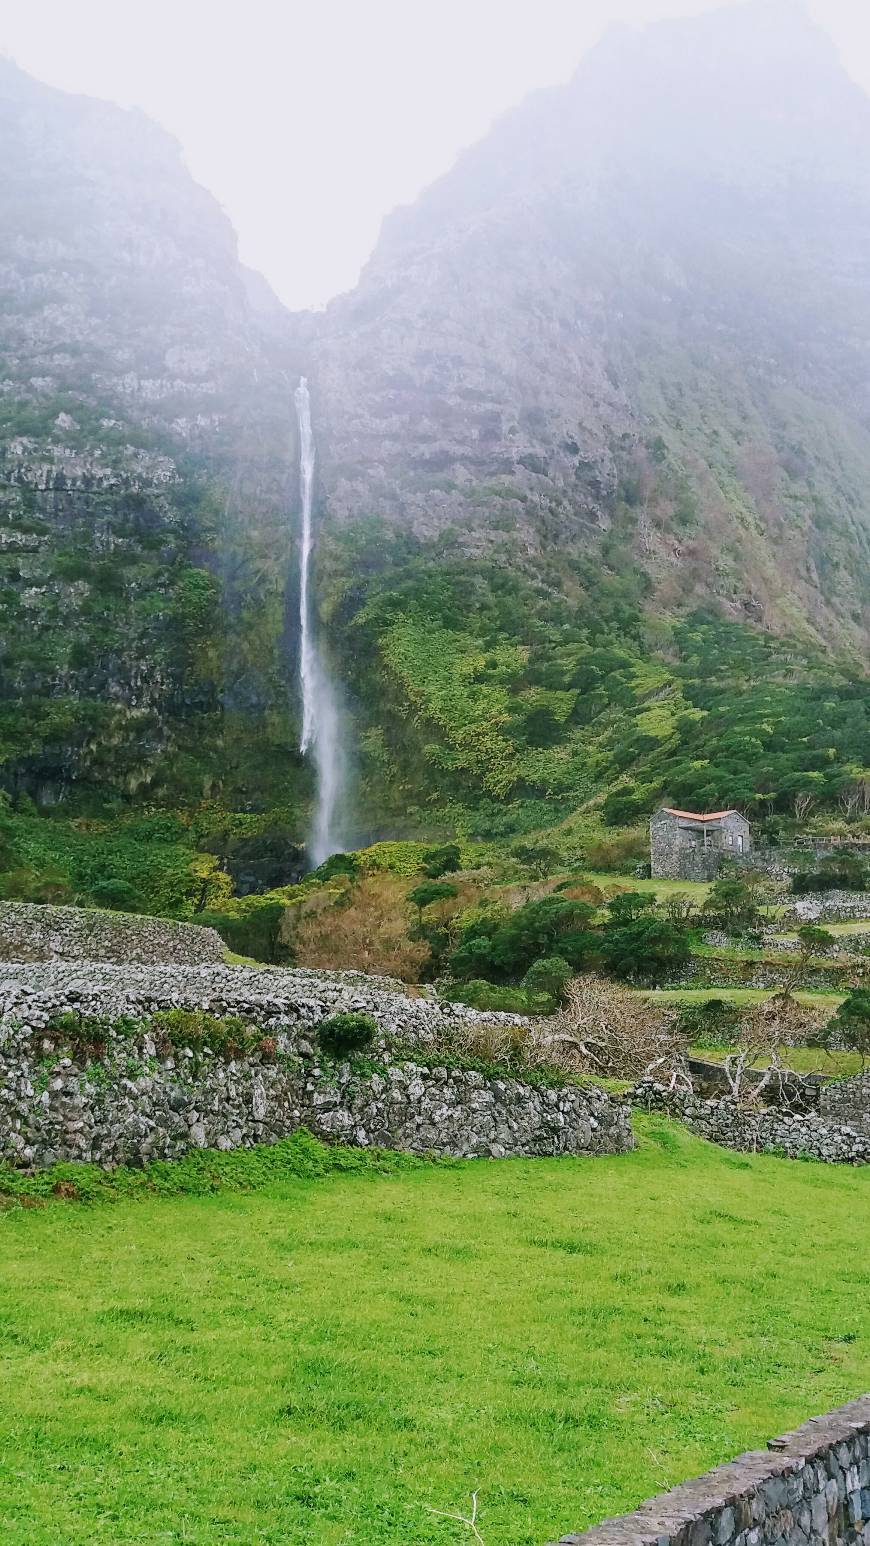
[321,727]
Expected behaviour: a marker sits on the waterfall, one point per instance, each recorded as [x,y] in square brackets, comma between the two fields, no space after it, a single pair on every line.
[321,728]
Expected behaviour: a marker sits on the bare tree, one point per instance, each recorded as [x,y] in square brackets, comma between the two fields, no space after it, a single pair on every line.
[804,803]
[850,800]
[612,1032]
[767,1030]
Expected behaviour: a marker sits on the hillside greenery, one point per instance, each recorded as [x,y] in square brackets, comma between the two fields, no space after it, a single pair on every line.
[510,691]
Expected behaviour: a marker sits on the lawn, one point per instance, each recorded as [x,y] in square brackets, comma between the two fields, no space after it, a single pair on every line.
[829,999]
[323,1361]
[804,1060]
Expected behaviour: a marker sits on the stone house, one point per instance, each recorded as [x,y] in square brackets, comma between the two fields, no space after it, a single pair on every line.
[686,845]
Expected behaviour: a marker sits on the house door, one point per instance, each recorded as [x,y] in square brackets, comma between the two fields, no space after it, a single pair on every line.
[740,842]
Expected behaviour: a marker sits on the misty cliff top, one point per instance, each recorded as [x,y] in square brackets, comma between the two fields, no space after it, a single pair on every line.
[750,98]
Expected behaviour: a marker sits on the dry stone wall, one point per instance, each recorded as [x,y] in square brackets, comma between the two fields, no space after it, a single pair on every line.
[135,1099]
[31,933]
[762,1129]
[848,1101]
[809,1488]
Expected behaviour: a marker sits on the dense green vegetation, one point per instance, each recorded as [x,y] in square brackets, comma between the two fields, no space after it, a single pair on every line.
[177,1370]
[536,685]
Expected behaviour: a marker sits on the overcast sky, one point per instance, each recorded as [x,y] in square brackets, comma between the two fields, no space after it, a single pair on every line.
[309,122]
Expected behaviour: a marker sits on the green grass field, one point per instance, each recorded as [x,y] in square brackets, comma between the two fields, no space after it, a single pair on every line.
[323,1361]
[804,1060]
[828,999]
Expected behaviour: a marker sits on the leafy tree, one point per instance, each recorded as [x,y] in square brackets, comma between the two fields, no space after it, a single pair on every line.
[812,941]
[429,892]
[441,861]
[850,1026]
[539,858]
[733,903]
[647,950]
[630,905]
[550,974]
[504,946]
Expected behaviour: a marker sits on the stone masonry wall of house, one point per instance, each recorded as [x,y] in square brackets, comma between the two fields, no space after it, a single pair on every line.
[809,1488]
[759,1129]
[133,1098]
[31,933]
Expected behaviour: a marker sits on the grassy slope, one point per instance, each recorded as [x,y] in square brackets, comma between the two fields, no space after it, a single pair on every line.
[827,999]
[319,1361]
[804,1060]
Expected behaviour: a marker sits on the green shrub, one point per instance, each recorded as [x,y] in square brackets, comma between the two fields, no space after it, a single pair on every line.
[341,1035]
[441,861]
[479,994]
[118,895]
[549,975]
[228,1037]
[714,1022]
[254,932]
[430,891]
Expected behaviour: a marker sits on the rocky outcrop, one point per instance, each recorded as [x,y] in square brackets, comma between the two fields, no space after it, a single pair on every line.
[142,405]
[631,304]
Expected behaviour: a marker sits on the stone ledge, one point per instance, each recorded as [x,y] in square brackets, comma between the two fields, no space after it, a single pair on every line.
[763,1494]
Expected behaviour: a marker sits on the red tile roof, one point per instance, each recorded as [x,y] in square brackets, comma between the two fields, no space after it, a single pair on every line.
[694,816]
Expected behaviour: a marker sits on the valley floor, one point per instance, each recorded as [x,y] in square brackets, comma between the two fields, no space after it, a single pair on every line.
[327,1360]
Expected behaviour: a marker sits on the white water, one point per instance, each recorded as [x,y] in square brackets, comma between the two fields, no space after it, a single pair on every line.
[321,729]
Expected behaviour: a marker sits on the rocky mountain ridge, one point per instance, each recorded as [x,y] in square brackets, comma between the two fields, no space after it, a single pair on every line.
[593,443]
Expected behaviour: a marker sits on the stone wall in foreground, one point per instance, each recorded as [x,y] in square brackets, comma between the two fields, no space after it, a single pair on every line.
[32,933]
[133,1099]
[810,1488]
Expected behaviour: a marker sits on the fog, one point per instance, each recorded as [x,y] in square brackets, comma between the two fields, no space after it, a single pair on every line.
[310,122]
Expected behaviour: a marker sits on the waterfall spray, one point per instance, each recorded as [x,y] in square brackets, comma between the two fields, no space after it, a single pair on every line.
[321,731]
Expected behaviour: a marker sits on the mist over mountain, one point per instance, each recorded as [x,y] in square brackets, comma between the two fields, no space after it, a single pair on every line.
[593,457]
[660,272]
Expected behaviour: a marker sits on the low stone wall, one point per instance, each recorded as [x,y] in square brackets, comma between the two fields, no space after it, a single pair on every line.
[31,933]
[722,972]
[810,1488]
[829,907]
[268,996]
[759,1130]
[134,1103]
[848,1101]
[133,1100]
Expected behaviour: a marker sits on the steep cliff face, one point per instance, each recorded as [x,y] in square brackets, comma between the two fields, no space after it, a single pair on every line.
[593,461]
[649,287]
[145,460]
